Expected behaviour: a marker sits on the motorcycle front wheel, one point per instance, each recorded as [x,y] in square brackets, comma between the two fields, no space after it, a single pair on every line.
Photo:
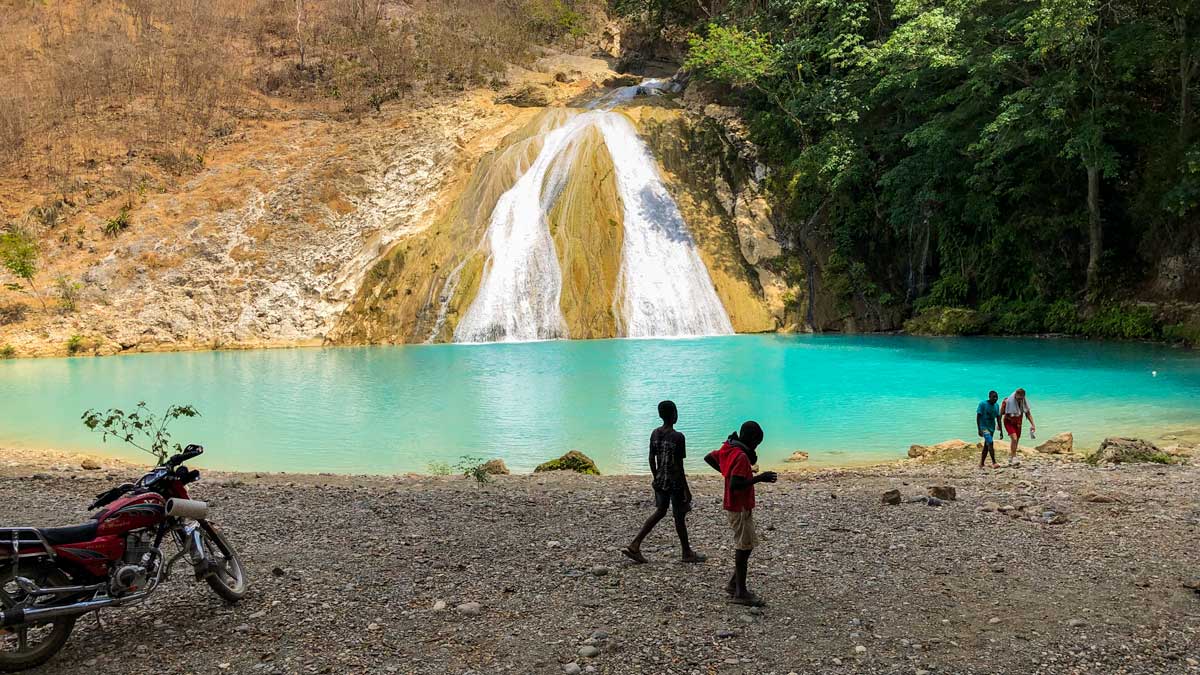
[31,644]
[228,578]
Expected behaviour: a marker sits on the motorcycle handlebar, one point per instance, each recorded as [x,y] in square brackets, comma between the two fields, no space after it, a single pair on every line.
[189,452]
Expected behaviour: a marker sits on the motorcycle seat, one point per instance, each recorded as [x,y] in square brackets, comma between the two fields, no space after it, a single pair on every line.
[71,534]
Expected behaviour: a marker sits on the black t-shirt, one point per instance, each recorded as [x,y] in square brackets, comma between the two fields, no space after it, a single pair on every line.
[668,450]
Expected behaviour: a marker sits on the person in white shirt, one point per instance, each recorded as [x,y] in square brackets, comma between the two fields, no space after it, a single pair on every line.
[1015,408]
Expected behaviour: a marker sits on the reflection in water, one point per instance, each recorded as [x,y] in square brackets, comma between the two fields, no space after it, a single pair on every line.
[394,409]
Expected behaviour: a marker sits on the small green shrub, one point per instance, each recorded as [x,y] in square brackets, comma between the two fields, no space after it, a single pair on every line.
[7,352]
[1187,332]
[948,291]
[74,344]
[472,467]
[439,468]
[1014,317]
[1062,317]
[1120,321]
[117,224]
[49,214]
[68,293]
[945,321]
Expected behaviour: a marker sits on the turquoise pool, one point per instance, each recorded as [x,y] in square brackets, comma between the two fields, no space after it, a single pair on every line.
[394,409]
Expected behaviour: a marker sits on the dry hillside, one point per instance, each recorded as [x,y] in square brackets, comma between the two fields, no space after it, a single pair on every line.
[197,173]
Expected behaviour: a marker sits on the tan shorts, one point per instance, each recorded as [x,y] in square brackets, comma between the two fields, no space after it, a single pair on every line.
[742,523]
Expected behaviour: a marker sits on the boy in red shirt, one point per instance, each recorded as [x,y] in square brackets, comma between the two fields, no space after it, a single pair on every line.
[735,460]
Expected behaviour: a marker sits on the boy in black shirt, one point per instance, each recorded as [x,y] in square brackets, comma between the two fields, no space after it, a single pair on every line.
[667,451]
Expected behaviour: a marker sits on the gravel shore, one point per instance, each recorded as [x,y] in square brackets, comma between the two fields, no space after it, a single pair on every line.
[428,574]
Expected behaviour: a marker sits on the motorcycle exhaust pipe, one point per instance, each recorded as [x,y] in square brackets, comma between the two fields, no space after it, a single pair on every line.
[20,615]
[187,508]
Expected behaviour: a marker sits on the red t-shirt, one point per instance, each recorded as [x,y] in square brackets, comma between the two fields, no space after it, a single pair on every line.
[734,462]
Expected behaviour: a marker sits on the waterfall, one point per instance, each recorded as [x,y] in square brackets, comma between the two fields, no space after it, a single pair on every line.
[663,287]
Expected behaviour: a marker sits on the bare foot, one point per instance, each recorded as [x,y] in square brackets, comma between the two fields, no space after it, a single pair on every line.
[634,554]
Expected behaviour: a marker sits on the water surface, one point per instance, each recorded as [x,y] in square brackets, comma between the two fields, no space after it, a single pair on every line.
[396,409]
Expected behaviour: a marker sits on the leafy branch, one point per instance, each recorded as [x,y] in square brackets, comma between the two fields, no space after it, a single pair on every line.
[140,428]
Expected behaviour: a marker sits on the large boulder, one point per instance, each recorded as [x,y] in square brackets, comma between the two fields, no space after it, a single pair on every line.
[572,461]
[1062,444]
[798,456]
[495,467]
[956,445]
[1117,450]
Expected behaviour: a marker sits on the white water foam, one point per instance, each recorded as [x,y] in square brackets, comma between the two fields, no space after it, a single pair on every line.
[664,289]
[518,298]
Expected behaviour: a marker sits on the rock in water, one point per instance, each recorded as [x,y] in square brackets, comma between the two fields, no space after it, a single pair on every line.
[798,456]
[495,467]
[1061,444]
[1115,450]
[572,461]
[90,464]
[943,492]
[891,497]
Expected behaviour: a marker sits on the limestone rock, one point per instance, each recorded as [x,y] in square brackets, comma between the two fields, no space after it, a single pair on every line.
[90,464]
[495,467]
[891,497]
[938,448]
[528,96]
[572,461]
[1061,444]
[798,456]
[1116,450]
[943,492]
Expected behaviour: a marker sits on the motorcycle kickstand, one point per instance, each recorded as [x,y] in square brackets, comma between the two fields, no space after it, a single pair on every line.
[99,621]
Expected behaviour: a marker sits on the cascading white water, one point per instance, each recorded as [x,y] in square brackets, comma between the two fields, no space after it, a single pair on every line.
[518,298]
[664,289]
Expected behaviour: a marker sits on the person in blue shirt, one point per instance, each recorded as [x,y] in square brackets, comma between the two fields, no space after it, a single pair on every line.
[987,417]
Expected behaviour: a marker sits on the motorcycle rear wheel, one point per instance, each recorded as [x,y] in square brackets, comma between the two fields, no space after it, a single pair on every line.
[228,578]
[16,651]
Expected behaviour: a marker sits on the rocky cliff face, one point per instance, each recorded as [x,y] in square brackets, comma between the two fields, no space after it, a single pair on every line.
[310,230]
[419,290]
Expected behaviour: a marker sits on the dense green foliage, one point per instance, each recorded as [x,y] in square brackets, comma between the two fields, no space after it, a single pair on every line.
[1028,159]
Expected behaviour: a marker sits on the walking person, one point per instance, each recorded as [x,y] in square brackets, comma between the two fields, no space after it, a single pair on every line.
[1014,409]
[667,450]
[735,460]
[987,418]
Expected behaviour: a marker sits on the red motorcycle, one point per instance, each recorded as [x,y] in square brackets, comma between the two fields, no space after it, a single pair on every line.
[51,576]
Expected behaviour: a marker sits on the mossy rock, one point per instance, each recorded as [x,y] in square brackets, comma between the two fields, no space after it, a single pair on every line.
[572,461]
[945,321]
[1115,450]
